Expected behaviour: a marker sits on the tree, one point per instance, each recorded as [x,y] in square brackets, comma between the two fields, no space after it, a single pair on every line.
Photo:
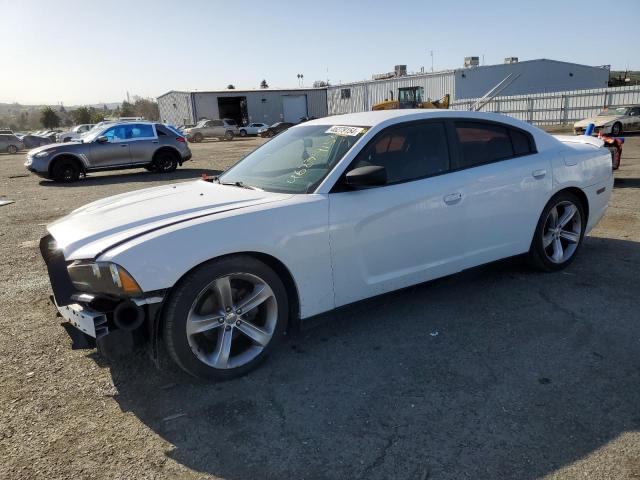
[231,87]
[81,115]
[146,108]
[126,110]
[49,118]
[264,84]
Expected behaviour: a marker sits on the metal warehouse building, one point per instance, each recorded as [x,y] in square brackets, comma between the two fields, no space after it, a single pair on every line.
[536,76]
[244,106]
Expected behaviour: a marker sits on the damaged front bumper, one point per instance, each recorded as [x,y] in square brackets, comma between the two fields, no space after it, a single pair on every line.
[115,326]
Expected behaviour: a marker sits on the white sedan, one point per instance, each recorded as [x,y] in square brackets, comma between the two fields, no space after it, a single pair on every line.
[252,129]
[330,212]
[612,121]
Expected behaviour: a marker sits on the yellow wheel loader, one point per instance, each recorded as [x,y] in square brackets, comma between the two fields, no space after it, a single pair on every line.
[411,97]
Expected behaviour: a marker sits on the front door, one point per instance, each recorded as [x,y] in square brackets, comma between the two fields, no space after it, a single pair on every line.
[402,233]
[112,153]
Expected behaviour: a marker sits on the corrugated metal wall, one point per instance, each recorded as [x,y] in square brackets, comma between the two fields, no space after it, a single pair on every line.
[558,108]
[536,76]
[262,105]
[175,108]
[364,95]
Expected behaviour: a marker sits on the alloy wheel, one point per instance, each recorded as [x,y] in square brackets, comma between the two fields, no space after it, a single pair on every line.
[232,320]
[562,231]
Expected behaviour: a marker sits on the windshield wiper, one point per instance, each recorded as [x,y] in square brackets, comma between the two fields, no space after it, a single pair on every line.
[239,184]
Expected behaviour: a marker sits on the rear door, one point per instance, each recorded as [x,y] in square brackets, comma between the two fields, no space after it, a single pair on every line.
[143,141]
[503,185]
[112,153]
[216,127]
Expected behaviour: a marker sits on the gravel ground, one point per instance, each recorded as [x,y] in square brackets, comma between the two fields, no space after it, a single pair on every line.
[497,372]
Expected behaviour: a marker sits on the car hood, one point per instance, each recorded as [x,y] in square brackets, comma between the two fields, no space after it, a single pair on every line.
[91,230]
[54,146]
[598,121]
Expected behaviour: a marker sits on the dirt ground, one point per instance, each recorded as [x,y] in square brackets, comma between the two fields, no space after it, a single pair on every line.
[496,373]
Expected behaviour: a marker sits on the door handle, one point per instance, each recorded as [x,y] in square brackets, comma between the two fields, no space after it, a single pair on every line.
[124,145]
[155,141]
[539,173]
[452,198]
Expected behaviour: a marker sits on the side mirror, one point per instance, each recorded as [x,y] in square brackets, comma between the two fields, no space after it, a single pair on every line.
[102,139]
[362,177]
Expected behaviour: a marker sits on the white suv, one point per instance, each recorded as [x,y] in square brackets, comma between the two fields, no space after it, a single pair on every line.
[75,133]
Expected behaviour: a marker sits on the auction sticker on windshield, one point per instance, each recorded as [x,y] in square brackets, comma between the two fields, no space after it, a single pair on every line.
[345,131]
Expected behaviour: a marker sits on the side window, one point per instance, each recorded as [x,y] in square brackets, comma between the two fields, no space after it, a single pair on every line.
[116,134]
[482,143]
[136,130]
[521,142]
[408,152]
[635,112]
[216,123]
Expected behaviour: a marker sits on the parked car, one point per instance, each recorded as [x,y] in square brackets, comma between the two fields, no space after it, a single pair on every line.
[75,133]
[275,129]
[114,146]
[10,143]
[252,129]
[341,208]
[6,132]
[613,121]
[33,141]
[224,129]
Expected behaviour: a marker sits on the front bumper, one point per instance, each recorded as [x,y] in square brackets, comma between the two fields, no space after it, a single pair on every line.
[602,129]
[93,317]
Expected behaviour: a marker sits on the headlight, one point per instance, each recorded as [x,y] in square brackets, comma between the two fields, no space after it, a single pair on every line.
[102,277]
[42,154]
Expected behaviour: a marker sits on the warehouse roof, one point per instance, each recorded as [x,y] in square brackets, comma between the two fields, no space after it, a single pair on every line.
[246,90]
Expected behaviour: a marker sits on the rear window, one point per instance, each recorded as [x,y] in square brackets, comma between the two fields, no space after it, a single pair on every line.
[521,143]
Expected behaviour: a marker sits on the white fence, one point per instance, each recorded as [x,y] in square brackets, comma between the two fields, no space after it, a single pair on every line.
[557,108]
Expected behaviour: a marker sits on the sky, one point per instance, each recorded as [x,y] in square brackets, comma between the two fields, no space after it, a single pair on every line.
[85,52]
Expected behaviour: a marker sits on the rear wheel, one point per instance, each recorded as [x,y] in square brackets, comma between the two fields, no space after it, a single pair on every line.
[225,317]
[243,133]
[197,138]
[12,149]
[228,135]
[65,170]
[559,233]
[164,162]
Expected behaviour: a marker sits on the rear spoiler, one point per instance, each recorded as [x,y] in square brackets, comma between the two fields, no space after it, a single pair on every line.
[580,139]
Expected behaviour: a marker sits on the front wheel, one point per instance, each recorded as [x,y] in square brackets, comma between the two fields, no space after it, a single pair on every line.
[559,233]
[12,149]
[65,170]
[224,317]
[616,129]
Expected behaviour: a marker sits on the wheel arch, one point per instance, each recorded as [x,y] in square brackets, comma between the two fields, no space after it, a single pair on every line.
[578,192]
[167,148]
[69,156]
[272,262]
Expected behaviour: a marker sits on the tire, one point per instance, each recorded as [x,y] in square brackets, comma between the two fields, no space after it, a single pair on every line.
[197,138]
[228,135]
[164,162]
[616,129]
[556,244]
[243,133]
[65,170]
[12,149]
[202,354]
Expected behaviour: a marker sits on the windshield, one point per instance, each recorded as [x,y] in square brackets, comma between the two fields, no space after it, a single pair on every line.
[296,160]
[613,111]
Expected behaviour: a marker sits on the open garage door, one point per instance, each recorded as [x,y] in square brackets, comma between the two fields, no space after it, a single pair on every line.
[294,107]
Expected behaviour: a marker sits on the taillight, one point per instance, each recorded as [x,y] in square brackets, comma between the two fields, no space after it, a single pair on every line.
[181,139]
